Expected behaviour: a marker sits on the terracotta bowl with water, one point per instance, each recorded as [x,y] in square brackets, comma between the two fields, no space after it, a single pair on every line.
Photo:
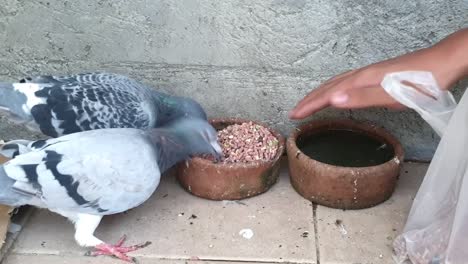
[344,164]
[230,181]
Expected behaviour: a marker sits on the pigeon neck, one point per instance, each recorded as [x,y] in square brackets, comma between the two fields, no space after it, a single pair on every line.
[169,148]
[167,107]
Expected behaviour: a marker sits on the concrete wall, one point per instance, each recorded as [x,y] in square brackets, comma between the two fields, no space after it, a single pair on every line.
[251,59]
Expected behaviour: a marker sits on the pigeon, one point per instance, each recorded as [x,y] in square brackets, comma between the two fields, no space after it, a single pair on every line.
[61,105]
[86,175]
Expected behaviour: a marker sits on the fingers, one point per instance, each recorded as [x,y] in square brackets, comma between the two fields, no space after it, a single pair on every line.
[351,98]
[314,101]
[319,98]
[307,109]
[351,90]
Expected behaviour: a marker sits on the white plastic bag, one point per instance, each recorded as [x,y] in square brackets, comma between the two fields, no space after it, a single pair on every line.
[436,230]
[436,106]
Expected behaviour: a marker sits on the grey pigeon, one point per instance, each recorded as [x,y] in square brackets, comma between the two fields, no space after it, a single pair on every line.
[87,175]
[61,105]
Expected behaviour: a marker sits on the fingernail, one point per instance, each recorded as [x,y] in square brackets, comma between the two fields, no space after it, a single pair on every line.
[340,99]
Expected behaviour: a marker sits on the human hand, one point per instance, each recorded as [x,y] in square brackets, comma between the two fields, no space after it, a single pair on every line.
[361,88]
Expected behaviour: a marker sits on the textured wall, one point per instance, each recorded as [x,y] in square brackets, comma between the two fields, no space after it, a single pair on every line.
[238,58]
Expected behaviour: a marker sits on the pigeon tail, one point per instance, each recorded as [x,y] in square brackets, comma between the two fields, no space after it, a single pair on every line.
[8,195]
[6,91]
[14,148]
[13,97]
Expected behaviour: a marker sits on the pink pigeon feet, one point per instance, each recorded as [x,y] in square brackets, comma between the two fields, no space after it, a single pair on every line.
[117,250]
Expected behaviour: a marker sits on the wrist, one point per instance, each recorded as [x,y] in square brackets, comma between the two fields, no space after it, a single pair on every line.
[452,57]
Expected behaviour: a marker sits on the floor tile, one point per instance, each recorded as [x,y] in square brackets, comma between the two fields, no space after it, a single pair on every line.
[366,236]
[72,259]
[182,226]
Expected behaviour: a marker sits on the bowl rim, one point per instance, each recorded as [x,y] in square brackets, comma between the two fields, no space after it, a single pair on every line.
[357,126]
[241,165]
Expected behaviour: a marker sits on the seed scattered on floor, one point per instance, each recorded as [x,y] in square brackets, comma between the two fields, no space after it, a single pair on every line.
[246,233]
[229,202]
[193,216]
[43,244]
[191,223]
[210,246]
[339,224]
[305,234]
[164,196]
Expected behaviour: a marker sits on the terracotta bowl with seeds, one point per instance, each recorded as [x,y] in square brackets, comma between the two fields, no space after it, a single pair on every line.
[249,168]
[343,164]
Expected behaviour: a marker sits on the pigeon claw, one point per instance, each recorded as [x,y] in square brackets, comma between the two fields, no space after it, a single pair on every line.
[117,250]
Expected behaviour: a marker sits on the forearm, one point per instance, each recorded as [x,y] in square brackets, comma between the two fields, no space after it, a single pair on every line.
[453,53]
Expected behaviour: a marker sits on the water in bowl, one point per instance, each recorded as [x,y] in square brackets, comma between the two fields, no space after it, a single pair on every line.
[346,148]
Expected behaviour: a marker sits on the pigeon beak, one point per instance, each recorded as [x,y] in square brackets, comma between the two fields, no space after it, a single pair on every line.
[217,150]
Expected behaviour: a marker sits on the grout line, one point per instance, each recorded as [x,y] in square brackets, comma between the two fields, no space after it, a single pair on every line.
[174,258]
[317,245]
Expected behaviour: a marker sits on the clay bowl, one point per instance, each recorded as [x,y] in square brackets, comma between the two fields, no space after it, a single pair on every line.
[234,181]
[338,186]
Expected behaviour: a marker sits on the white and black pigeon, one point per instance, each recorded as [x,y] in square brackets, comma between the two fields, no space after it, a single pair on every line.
[87,175]
[61,105]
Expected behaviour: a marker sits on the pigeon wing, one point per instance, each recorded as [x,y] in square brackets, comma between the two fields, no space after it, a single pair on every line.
[68,104]
[94,173]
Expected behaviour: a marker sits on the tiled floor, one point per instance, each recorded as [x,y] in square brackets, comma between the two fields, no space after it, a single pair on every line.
[187,229]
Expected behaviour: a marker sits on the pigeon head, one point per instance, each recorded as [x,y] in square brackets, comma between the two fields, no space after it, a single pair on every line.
[183,138]
[171,108]
[192,109]
[197,136]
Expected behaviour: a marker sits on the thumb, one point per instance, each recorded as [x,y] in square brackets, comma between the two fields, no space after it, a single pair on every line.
[364,97]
